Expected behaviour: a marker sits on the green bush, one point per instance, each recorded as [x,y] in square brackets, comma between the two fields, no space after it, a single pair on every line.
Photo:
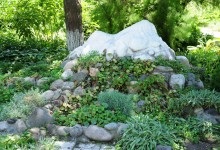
[21,105]
[92,114]
[144,133]
[195,99]
[116,101]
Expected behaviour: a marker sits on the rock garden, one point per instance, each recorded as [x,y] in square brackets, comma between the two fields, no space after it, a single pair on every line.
[115,92]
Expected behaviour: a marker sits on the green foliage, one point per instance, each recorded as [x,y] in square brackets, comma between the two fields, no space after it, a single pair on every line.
[21,105]
[144,133]
[207,58]
[174,64]
[192,129]
[90,59]
[116,101]
[14,142]
[92,114]
[195,99]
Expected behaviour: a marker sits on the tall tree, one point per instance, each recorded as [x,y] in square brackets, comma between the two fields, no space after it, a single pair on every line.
[73,19]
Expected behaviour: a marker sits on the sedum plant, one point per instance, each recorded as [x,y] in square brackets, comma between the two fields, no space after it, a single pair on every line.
[21,104]
[144,133]
[116,101]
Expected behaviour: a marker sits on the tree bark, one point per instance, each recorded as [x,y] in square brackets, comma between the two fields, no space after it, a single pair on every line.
[73,20]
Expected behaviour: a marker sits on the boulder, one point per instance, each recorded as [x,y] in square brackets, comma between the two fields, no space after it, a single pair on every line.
[96,133]
[177,81]
[39,118]
[48,95]
[57,84]
[138,41]
[67,75]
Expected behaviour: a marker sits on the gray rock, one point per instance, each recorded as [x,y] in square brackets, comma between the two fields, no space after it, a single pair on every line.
[67,75]
[177,81]
[68,86]
[163,69]
[191,80]
[57,84]
[183,60]
[199,84]
[20,126]
[66,92]
[88,146]
[70,64]
[76,130]
[48,95]
[39,118]
[93,72]
[111,126]
[207,117]
[42,81]
[57,130]
[38,133]
[121,129]
[57,94]
[3,126]
[80,76]
[30,80]
[96,133]
[62,145]
[79,91]
[160,147]
[83,139]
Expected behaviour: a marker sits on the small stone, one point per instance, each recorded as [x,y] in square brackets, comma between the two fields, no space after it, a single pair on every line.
[199,111]
[3,126]
[61,145]
[93,72]
[96,133]
[57,84]
[57,130]
[67,75]
[79,91]
[76,130]
[11,120]
[111,126]
[183,60]
[30,80]
[70,64]
[42,81]
[48,95]
[160,147]
[39,117]
[20,126]
[163,69]
[80,76]
[57,94]
[199,84]
[121,129]
[68,86]
[177,81]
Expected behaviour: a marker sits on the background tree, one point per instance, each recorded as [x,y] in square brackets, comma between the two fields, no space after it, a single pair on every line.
[73,19]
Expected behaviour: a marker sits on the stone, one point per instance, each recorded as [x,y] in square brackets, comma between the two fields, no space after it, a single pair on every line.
[208,118]
[111,126]
[57,94]
[137,41]
[87,146]
[56,130]
[38,133]
[62,145]
[76,130]
[3,126]
[42,81]
[68,86]
[48,95]
[11,120]
[121,129]
[20,126]
[79,91]
[177,81]
[163,69]
[67,92]
[67,75]
[161,147]
[183,60]
[96,133]
[30,80]
[191,80]
[93,72]
[199,84]
[70,64]
[56,84]
[39,118]
[80,76]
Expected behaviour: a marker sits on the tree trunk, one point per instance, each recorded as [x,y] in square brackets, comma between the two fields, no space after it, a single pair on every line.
[73,19]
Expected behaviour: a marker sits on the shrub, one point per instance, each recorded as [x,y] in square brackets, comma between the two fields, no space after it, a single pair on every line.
[92,114]
[144,133]
[116,101]
[21,104]
[195,99]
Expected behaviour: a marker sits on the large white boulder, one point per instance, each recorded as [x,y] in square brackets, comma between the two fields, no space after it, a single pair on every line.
[138,41]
